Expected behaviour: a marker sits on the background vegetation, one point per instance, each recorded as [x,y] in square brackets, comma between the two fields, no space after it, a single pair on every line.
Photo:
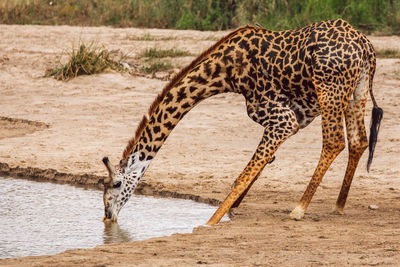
[368,15]
[86,60]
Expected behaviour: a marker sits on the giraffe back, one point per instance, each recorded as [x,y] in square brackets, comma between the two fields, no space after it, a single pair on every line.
[283,66]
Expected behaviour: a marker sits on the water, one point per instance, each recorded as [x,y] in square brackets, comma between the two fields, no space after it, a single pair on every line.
[45,218]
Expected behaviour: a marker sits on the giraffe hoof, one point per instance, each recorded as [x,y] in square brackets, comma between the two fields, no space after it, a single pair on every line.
[338,211]
[297,214]
[232,212]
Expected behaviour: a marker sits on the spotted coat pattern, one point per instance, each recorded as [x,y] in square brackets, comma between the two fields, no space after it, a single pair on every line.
[287,79]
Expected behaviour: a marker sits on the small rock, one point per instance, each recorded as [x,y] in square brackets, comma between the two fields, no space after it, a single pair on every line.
[316,219]
[373,207]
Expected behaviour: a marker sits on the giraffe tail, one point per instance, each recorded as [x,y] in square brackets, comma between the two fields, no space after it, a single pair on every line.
[377,114]
[376,118]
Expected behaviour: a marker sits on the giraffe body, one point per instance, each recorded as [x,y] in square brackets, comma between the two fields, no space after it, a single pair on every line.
[287,79]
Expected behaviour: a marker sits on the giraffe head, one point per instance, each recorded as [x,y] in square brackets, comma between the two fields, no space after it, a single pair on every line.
[120,184]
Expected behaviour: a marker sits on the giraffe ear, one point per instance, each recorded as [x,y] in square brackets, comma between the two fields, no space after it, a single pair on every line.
[110,170]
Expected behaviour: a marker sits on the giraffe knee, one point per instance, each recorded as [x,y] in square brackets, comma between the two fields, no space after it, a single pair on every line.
[360,146]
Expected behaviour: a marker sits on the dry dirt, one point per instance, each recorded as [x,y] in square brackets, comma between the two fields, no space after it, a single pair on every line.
[67,127]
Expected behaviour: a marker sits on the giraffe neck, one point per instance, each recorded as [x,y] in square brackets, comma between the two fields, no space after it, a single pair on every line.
[209,74]
[171,107]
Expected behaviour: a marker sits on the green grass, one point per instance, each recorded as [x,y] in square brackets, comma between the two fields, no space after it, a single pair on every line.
[161,53]
[368,15]
[156,66]
[149,37]
[388,53]
[86,60]
[153,59]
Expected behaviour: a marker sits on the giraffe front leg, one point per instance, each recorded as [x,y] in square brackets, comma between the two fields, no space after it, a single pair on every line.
[239,200]
[274,135]
[243,182]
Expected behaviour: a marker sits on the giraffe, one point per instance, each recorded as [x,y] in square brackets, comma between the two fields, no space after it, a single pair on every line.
[287,79]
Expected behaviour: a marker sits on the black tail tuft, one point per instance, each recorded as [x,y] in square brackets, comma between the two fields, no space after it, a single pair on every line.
[377,114]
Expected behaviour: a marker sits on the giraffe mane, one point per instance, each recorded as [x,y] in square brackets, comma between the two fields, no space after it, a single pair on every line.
[132,142]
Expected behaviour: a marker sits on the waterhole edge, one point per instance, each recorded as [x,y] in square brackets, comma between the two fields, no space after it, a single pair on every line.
[92,181]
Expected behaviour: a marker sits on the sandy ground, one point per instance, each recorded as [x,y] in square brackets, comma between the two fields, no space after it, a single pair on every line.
[67,127]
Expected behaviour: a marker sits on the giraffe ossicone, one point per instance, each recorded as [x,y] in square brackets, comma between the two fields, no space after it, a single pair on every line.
[287,79]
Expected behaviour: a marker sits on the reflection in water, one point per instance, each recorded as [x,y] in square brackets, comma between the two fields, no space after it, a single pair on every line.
[114,234]
[45,218]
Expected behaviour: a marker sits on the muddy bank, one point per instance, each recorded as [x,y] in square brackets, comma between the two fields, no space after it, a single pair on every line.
[50,175]
[91,181]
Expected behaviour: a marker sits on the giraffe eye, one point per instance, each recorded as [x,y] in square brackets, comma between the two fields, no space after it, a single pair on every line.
[117,184]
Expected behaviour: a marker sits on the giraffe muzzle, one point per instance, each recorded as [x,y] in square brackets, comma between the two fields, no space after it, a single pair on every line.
[110,219]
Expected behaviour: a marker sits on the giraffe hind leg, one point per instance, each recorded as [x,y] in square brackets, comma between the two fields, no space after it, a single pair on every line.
[356,137]
[332,112]
[357,141]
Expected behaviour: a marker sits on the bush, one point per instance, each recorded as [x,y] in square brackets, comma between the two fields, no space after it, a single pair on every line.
[87,59]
